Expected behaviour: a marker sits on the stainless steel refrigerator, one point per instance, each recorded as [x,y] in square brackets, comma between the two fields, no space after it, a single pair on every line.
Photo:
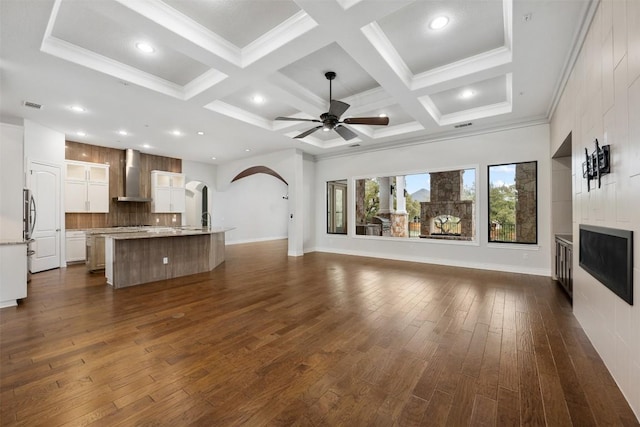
[29,216]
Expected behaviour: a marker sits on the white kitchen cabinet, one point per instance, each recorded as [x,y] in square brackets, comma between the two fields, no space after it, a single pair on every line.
[167,192]
[13,272]
[86,187]
[76,246]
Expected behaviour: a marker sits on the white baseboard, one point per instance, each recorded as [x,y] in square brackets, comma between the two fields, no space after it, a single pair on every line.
[261,239]
[449,262]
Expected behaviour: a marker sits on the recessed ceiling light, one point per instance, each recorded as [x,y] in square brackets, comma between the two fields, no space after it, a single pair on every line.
[77,108]
[439,23]
[80,133]
[123,132]
[176,132]
[382,115]
[200,133]
[247,149]
[467,93]
[145,47]
[146,146]
[258,99]
[213,158]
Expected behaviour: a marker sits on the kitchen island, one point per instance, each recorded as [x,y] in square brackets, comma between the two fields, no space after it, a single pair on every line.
[158,254]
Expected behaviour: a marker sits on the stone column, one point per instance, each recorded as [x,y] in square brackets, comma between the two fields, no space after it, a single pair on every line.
[424,218]
[361,217]
[526,202]
[446,186]
[360,193]
[399,226]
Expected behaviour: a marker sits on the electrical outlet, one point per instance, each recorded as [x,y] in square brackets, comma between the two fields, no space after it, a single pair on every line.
[165,260]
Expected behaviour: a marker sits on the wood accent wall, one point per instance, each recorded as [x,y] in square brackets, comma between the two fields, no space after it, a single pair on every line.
[121,213]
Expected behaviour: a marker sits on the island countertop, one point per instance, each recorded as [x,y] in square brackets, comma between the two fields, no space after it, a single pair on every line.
[166,232]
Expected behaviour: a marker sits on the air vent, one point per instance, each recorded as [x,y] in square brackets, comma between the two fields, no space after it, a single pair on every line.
[354,145]
[463,125]
[32,105]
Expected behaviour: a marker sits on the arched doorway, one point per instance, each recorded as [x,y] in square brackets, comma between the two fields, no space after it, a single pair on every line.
[197,208]
[257,201]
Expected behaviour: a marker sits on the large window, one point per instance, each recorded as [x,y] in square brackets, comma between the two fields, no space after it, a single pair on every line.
[435,205]
[337,207]
[513,203]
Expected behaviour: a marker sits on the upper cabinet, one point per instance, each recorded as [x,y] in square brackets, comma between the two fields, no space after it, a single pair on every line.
[167,192]
[86,187]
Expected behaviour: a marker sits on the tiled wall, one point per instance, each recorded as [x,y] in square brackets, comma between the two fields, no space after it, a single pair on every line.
[602,100]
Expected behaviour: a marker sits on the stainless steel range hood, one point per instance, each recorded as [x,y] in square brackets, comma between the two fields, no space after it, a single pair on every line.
[132,178]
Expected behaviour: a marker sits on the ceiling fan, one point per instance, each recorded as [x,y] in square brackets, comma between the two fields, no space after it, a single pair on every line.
[331,119]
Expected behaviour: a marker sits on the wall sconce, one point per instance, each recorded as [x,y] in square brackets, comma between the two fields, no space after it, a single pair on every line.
[596,164]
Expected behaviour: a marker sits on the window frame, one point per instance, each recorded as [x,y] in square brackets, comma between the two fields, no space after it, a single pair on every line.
[505,242]
[477,167]
[330,205]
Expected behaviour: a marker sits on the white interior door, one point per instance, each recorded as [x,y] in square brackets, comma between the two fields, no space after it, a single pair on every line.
[44,182]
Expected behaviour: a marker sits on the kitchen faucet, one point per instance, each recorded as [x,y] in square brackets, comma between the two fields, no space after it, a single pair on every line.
[206,220]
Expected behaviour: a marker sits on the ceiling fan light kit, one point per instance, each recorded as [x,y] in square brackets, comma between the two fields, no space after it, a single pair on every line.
[331,119]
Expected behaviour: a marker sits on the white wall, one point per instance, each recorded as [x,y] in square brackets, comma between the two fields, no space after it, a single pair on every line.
[11,181]
[310,215]
[283,162]
[602,100]
[43,143]
[516,145]
[275,209]
[296,206]
[254,205]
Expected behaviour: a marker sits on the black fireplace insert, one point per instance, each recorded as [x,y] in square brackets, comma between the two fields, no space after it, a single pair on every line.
[607,254]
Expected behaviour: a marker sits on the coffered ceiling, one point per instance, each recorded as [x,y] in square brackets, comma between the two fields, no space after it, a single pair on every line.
[227,68]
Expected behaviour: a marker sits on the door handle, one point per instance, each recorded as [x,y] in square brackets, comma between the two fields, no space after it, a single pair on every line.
[34,210]
[57,230]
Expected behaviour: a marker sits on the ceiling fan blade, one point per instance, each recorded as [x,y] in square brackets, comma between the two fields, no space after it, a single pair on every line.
[345,132]
[309,132]
[294,119]
[337,108]
[367,121]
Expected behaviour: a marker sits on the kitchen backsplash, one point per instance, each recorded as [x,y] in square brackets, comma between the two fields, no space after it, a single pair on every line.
[121,213]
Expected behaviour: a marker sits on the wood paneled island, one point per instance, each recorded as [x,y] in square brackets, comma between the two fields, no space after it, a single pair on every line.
[147,256]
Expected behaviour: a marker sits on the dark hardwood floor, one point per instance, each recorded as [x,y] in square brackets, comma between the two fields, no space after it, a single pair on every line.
[318,340]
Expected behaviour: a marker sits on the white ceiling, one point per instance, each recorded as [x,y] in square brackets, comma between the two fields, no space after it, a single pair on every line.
[474,27]
[213,56]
